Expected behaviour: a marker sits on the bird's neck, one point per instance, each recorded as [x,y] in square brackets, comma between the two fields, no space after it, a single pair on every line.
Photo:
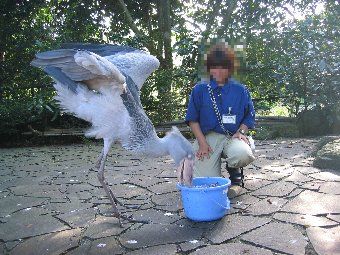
[158,147]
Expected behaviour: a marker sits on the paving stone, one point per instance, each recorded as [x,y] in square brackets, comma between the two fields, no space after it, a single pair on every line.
[145,181]
[231,249]
[168,202]
[266,206]
[304,219]
[330,188]
[233,226]
[298,178]
[314,186]
[325,240]
[269,176]
[156,216]
[69,206]
[244,201]
[208,225]
[166,199]
[294,193]
[79,218]
[335,217]
[82,249]
[277,168]
[326,176]
[192,245]
[66,177]
[156,234]
[313,203]
[127,191]
[307,169]
[169,249]
[105,246]
[75,188]
[2,248]
[4,193]
[104,226]
[253,184]
[277,189]
[29,223]
[11,244]
[164,187]
[56,243]
[10,204]
[41,191]
[17,181]
[279,237]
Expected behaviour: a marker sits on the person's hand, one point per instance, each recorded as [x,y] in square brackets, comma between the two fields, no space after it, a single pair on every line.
[239,136]
[203,151]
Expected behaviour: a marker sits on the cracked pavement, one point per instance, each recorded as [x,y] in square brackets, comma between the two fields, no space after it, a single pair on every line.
[51,202]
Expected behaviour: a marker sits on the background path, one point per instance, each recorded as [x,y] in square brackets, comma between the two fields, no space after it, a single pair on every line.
[51,203]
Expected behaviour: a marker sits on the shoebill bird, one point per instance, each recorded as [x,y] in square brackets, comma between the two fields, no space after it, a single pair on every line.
[101,84]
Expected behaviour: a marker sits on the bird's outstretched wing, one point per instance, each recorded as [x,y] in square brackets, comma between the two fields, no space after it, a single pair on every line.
[132,62]
[75,72]
[79,66]
[117,72]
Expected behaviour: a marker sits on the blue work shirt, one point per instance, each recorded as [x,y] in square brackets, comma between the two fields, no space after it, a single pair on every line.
[233,94]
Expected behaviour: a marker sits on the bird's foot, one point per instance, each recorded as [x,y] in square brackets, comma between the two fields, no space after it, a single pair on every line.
[120,203]
[126,206]
[128,219]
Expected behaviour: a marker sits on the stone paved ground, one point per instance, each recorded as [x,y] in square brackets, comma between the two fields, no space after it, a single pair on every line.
[52,203]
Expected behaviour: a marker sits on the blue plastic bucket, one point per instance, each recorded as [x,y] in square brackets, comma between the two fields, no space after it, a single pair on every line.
[207,199]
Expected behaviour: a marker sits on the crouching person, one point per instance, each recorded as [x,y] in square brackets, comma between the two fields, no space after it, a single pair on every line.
[219,113]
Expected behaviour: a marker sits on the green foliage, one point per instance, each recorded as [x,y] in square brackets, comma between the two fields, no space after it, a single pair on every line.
[290,63]
[42,105]
[34,110]
[13,116]
[308,70]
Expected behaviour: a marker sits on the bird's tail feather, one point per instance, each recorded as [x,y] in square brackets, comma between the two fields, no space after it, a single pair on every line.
[105,110]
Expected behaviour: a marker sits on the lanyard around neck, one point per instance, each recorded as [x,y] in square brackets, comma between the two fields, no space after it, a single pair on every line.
[217,112]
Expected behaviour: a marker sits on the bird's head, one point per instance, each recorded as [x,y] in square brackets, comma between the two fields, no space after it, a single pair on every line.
[178,146]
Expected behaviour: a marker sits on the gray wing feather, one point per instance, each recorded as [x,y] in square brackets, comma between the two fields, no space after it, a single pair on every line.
[132,62]
[55,54]
[63,59]
[58,75]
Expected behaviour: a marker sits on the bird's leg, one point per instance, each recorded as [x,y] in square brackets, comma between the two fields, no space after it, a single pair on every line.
[101,178]
[99,160]
[98,163]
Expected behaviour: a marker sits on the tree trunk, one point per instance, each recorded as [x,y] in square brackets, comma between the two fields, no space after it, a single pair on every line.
[164,43]
[167,35]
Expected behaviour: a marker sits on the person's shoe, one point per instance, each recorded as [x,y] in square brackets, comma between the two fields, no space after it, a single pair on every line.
[236,176]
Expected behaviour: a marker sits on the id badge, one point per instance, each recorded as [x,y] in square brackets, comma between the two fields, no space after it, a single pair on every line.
[228,119]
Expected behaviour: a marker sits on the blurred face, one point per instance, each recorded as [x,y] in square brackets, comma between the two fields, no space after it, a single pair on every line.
[219,73]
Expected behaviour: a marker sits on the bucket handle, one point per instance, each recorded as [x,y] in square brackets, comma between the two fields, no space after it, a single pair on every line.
[227,208]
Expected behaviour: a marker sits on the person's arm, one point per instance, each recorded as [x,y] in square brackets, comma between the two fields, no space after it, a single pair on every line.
[248,120]
[240,136]
[203,147]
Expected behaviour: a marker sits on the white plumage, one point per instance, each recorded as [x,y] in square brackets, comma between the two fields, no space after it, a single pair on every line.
[105,110]
[101,84]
